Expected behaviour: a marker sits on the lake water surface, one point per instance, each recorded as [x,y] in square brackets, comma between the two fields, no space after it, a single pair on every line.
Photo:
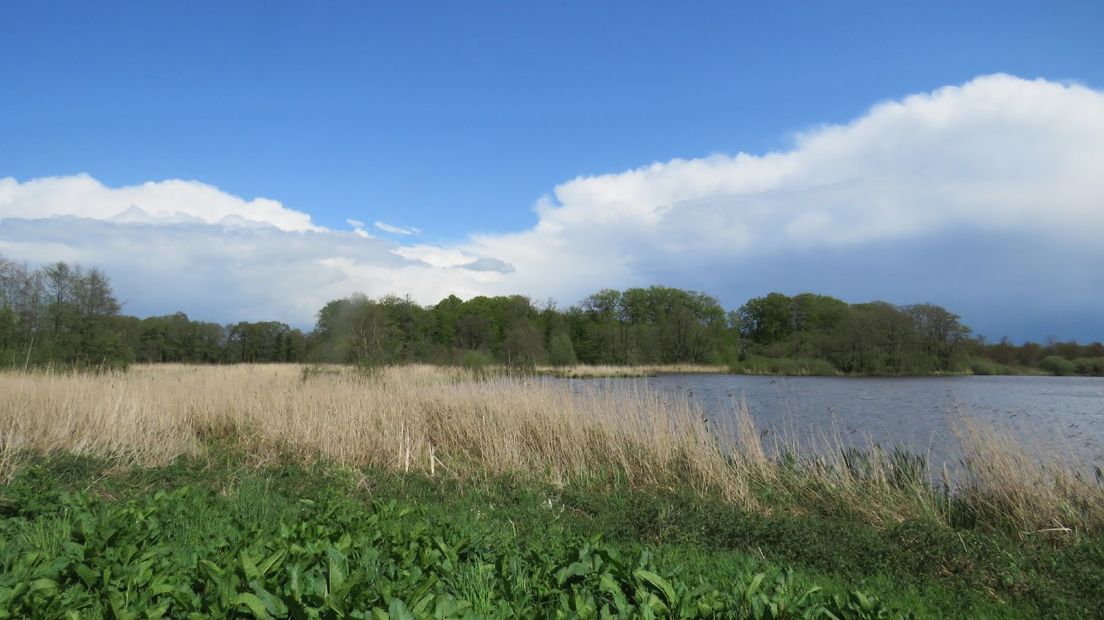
[1064,414]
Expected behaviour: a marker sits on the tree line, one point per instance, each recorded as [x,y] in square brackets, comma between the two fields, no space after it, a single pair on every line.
[64,315]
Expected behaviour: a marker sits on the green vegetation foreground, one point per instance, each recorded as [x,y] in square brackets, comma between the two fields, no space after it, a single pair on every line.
[300,543]
[268,490]
[219,537]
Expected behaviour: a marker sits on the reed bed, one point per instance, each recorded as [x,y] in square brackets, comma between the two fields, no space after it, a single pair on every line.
[443,422]
[1043,495]
[415,418]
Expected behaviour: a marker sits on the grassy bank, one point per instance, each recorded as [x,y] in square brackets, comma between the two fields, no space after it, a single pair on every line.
[284,541]
[219,536]
[522,466]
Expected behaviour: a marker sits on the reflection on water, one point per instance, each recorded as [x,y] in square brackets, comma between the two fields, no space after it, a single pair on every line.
[1064,414]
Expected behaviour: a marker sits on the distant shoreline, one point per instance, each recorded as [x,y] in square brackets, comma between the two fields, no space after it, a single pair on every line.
[786,368]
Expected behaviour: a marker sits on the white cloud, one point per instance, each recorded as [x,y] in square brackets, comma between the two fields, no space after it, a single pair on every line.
[999,157]
[223,273]
[437,256]
[358,229]
[397,230]
[163,202]
[191,247]
[986,197]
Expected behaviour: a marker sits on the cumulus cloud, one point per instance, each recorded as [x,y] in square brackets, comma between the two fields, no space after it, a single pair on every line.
[451,258]
[156,202]
[985,197]
[397,230]
[225,273]
[1007,167]
[181,245]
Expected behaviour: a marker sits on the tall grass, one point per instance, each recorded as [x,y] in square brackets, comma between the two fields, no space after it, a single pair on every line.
[1039,495]
[414,418]
[440,422]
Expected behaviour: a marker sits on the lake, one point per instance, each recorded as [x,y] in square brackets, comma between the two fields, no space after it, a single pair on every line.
[1063,414]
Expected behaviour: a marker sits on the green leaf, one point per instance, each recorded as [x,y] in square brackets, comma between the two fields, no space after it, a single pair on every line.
[658,582]
[255,604]
[753,587]
[272,561]
[397,611]
[42,584]
[336,565]
[272,604]
[295,584]
[575,569]
[87,575]
[249,566]
[609,585]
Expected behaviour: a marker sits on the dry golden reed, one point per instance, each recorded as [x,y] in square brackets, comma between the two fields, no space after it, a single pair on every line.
[413,418]
[1042,494]
[442,421]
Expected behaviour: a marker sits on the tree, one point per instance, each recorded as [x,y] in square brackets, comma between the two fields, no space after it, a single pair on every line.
[873,338]
[473,332]
[766,320]
[940,334]
[560,350]
[522,345]
[446,315]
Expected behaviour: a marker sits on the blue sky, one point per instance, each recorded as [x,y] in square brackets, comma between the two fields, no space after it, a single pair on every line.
[456,118]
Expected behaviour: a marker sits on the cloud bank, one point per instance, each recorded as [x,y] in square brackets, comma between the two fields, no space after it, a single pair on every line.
[985,197]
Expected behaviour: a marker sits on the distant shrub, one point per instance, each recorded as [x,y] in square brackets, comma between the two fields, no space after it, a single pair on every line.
[982,366]
[1089,366]
[1058,365]
[476,362]
[756,365]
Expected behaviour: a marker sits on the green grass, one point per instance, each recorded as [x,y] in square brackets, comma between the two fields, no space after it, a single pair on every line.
[215,537]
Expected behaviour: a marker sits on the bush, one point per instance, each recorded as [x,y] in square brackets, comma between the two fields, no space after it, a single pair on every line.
[982,366]
[1089,366]
[784,366]
[1058,365]
[476,362]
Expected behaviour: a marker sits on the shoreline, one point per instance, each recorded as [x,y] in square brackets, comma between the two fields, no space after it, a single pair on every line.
[652,370]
